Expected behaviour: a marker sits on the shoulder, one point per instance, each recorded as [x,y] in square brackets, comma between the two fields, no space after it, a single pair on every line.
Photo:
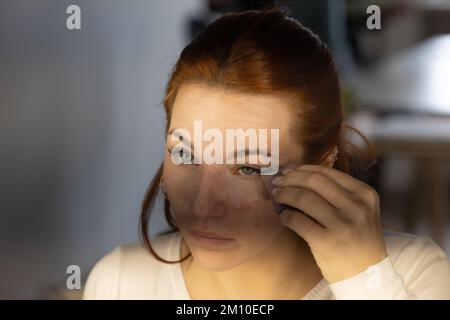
[130,271]
[403,246]
[422,264]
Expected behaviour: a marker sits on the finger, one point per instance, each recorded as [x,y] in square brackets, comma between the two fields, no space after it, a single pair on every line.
[345,180]
[321,184]
[303,225]
[310,203]
[353,186]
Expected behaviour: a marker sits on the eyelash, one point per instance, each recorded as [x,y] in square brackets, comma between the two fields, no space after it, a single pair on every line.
[256,170]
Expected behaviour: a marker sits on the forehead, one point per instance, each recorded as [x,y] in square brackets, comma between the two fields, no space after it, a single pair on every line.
[221,109]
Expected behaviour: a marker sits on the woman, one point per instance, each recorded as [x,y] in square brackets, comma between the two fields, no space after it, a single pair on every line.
[264,70]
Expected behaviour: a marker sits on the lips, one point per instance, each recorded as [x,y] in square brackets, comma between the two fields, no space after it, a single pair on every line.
[207,234]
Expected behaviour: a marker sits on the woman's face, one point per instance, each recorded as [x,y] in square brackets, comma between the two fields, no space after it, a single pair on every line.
[229,200]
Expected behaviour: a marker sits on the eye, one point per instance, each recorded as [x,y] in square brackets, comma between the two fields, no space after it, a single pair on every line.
[186,158]
[249,171]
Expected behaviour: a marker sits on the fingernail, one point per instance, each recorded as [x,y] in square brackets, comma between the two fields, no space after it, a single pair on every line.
[277,181]
[286,171]
[275,191]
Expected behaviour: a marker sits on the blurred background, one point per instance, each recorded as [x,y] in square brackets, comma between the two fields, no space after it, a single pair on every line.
[82,128]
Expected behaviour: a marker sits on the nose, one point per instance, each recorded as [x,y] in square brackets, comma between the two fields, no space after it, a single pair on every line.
[210,199]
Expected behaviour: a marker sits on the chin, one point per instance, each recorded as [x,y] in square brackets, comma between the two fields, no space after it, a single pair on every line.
[214,260]
[216,265]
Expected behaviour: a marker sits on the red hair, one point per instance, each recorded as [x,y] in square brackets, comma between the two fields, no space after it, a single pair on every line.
[265,52]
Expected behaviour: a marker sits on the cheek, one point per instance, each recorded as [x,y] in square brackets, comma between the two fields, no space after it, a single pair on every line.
[248,194]
[178,185]
[248,205]
[259,224]
[258,220]
[258,233]
[261,220]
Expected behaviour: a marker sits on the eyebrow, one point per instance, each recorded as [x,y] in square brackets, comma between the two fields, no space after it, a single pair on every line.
[246,151]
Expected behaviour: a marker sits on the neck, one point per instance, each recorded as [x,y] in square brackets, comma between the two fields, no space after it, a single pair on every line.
[267,276]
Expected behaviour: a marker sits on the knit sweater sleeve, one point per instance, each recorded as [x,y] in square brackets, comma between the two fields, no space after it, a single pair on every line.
[418,269]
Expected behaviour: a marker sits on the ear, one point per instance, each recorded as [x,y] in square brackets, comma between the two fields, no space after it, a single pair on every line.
[330,160]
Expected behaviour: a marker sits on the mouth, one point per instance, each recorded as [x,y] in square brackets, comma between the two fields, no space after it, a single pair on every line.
[209,240]
[206,234]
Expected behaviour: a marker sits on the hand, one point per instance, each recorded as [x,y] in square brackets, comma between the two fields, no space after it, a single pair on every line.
[339,217]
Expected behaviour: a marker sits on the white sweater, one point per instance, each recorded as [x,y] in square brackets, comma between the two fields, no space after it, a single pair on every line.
[416,268]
